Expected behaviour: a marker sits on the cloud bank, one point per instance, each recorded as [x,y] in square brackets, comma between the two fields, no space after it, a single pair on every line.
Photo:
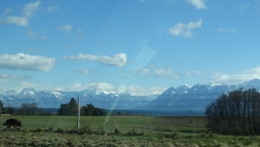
[108,88]
[117,60]
[236,78]
[26,62]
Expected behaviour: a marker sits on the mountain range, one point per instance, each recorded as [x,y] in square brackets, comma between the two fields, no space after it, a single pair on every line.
[195,97]
[53,99]
[180,98]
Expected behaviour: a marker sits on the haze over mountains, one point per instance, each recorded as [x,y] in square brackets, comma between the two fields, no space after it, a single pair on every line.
[180,98]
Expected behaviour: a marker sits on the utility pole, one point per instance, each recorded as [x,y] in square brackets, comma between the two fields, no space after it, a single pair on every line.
[191,119]
[78,125]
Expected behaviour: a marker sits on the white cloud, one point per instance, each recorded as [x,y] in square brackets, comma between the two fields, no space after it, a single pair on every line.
[28,10]
[223,30]
[99,87]
[82,71]
[66,28]
[140,91]
[8,77]
[195,72]
[199,4]
[53,8]
[13,81]
[28,85]
[15,20]
[26,62]
[117,60]
[185,29]
[236,78]
[158,72]
[165,73]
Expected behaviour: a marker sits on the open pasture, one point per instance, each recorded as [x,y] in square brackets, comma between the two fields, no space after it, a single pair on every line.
[117,131]
[124,123]
[182,124]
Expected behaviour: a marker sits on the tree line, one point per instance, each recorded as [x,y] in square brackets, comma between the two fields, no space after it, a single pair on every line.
[69,109]
[25,109]
[235,113]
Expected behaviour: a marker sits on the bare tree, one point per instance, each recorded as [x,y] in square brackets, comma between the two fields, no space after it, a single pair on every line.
[237,112]
[29,109]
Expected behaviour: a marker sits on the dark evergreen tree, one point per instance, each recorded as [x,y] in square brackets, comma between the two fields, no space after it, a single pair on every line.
[99,112]
[70,108]
[1,104]
[73,107]
[1,107]
[90,110]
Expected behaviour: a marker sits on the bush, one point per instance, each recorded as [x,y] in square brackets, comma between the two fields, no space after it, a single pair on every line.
[117,131]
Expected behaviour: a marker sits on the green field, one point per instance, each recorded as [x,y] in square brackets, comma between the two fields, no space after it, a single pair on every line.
[124,123]
[70,122]
[117,131]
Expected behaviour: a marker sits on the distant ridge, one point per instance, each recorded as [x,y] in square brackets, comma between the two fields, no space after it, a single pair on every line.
[195,97]
[53,99]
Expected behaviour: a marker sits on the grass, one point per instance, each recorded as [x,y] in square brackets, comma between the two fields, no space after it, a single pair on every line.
[69,122]
[118,131]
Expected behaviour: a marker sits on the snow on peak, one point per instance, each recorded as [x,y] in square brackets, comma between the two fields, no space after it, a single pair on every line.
[112,93]
[215,84]
[254,82]
[56,93]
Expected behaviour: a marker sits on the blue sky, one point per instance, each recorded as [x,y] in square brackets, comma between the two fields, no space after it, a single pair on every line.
[140,47]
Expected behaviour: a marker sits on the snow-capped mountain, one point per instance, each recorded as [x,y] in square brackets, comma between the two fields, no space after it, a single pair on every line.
[53,99]
[196,97]
[180,98]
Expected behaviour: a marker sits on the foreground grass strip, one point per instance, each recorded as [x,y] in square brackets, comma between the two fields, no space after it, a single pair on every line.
[30,138]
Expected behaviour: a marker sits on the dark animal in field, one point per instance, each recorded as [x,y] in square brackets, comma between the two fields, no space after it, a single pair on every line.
[13,122]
